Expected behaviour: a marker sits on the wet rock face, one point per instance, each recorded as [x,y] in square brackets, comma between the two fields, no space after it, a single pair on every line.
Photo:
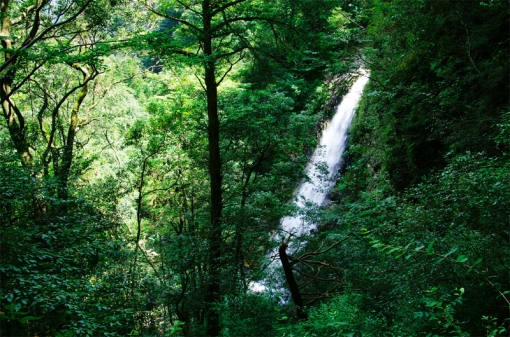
[338,86]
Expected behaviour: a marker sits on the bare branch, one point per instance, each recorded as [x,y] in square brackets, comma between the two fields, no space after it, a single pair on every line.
[113,148]
[201,83]
[468,43]
[159,189]
[25,79]
[229,69]
[318,251]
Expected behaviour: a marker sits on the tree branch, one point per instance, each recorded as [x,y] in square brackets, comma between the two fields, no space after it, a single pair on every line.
[29,42]
[189,8]
[229,69]
[170,17]
[222,8]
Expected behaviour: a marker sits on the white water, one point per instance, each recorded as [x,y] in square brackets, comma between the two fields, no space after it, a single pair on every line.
[323,166]
[326,160]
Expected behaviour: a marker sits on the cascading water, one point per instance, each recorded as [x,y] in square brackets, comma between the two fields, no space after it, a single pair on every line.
[326,160]
[323,166]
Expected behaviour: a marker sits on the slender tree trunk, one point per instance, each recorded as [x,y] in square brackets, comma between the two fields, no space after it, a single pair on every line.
[293,287]
[67,153]
[213,289]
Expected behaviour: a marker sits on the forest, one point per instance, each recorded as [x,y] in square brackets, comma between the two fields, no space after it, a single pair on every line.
[149,150]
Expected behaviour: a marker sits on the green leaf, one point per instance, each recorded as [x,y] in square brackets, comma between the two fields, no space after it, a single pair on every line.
[392,250]
[337,323]
[462,258]
[439,260]
[451,251]
[477,262]
[430,248]
[409,244]
[29,318]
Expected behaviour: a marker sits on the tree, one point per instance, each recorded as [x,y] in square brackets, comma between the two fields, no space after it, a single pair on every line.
[214,29]
[216,36]
[39,40]
[47,91]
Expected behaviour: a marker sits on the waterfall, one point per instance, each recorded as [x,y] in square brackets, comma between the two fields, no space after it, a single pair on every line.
[323,166]
[326,160]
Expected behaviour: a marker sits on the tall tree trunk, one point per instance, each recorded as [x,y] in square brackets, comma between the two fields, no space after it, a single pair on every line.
[213,289]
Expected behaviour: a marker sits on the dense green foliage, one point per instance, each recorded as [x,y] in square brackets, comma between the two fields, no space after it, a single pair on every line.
[150,149]
[427,193]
